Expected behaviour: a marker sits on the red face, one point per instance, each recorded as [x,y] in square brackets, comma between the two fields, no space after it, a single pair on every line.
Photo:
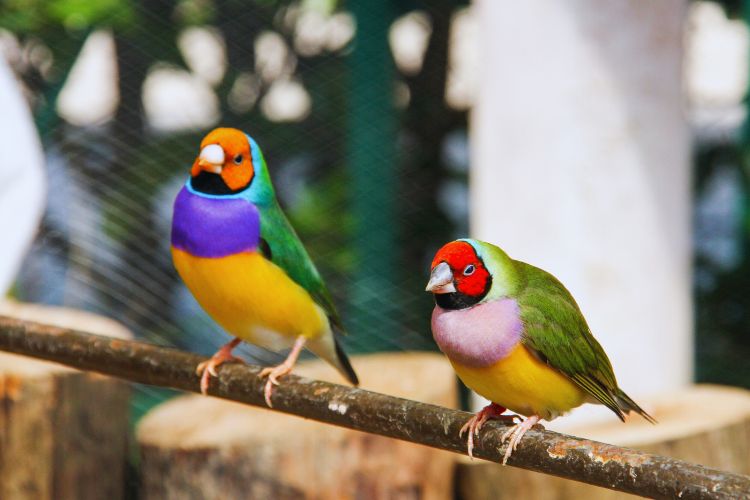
[470,276]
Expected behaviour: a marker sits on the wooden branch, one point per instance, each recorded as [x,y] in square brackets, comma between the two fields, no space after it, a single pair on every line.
[542,451]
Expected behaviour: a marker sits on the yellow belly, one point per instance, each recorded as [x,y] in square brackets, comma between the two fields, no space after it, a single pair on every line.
[523,384]
[251,298]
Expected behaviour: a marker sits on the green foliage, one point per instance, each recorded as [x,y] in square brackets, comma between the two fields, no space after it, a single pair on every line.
[311,216]
[80,14]
[195,12]
[33,16]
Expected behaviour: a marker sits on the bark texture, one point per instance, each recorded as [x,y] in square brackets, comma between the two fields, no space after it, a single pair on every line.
[704,424]
[544,451]
[63,433]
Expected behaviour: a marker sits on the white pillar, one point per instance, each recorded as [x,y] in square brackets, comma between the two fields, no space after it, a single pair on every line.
[580,165]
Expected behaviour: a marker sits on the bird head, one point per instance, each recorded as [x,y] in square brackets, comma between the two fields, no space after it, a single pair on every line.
[224,164]
[458,277]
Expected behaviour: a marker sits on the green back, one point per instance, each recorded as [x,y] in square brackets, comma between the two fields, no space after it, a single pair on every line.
[556,331]
[287,252]
[281,241]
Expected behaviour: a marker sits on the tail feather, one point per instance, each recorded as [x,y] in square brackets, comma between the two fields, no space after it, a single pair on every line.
[627,405]
[344,364]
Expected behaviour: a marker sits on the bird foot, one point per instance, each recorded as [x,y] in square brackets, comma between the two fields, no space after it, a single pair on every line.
[475,423]
[208,368]
[515,433]
[273,373]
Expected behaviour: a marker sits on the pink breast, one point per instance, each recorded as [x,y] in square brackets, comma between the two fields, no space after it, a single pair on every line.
[480,335]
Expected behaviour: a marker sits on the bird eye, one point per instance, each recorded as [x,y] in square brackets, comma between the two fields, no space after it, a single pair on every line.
[469,270]
[238,160]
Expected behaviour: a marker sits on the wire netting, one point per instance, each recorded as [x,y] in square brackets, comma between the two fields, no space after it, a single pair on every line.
[364,136]
[361,111]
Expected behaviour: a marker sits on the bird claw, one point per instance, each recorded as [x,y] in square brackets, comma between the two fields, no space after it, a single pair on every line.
[514,435]
[273,374]
[475,423]
[267,392]
[207,368]
[465,427]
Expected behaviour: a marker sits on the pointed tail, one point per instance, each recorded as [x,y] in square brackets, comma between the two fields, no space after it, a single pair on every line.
[344,366]
[627,405]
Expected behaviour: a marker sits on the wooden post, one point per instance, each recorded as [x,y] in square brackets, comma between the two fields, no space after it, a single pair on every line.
[63,433]
[199,447]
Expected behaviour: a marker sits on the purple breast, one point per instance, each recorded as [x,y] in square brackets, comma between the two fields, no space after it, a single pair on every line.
[214,227]
[478,336]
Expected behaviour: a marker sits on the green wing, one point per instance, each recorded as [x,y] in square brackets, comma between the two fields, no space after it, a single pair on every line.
[283,247]
[556,331]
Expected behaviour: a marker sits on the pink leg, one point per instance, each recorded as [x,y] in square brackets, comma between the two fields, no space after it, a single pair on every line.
[273,373]
[208,368]
[515,433]
[475,423]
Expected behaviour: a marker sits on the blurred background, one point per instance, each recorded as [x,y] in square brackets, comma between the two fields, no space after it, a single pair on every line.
[362,110]
[361,115]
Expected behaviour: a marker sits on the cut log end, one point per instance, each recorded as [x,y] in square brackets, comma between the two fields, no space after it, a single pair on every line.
[54,420]
[706,424]
[205,447]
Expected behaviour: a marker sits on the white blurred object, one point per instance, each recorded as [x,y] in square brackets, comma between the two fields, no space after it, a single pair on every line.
[22,178]
[716,56]
[287,100]
[175,99]
[408,38]
[464,60]
[204,51]
[716,72]
[581,166]
[90,93]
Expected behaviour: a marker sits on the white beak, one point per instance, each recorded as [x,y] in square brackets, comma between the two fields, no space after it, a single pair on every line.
[441,280]
[211,158]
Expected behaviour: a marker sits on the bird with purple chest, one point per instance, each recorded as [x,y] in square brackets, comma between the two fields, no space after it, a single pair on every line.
[241,259]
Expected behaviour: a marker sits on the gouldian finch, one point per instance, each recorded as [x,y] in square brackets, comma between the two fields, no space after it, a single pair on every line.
[515,335]
[243,262]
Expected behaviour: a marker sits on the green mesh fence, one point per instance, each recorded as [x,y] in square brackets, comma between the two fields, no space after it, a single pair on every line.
[349,103]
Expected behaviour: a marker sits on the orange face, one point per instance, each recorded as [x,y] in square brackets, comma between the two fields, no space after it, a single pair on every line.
[470,276]
[226,152]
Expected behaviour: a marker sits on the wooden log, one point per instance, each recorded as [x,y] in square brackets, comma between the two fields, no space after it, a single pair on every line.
[201,447]
[63,433]
[705,424]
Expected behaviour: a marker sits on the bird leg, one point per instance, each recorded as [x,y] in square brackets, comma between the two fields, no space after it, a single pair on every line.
[475,423]
[515,433]
[208,368]
[273,373]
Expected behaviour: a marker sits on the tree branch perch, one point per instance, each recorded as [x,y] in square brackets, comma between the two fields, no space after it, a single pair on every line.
[542,451]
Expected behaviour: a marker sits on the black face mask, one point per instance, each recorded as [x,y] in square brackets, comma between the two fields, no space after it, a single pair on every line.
[209,183]
[458,300]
